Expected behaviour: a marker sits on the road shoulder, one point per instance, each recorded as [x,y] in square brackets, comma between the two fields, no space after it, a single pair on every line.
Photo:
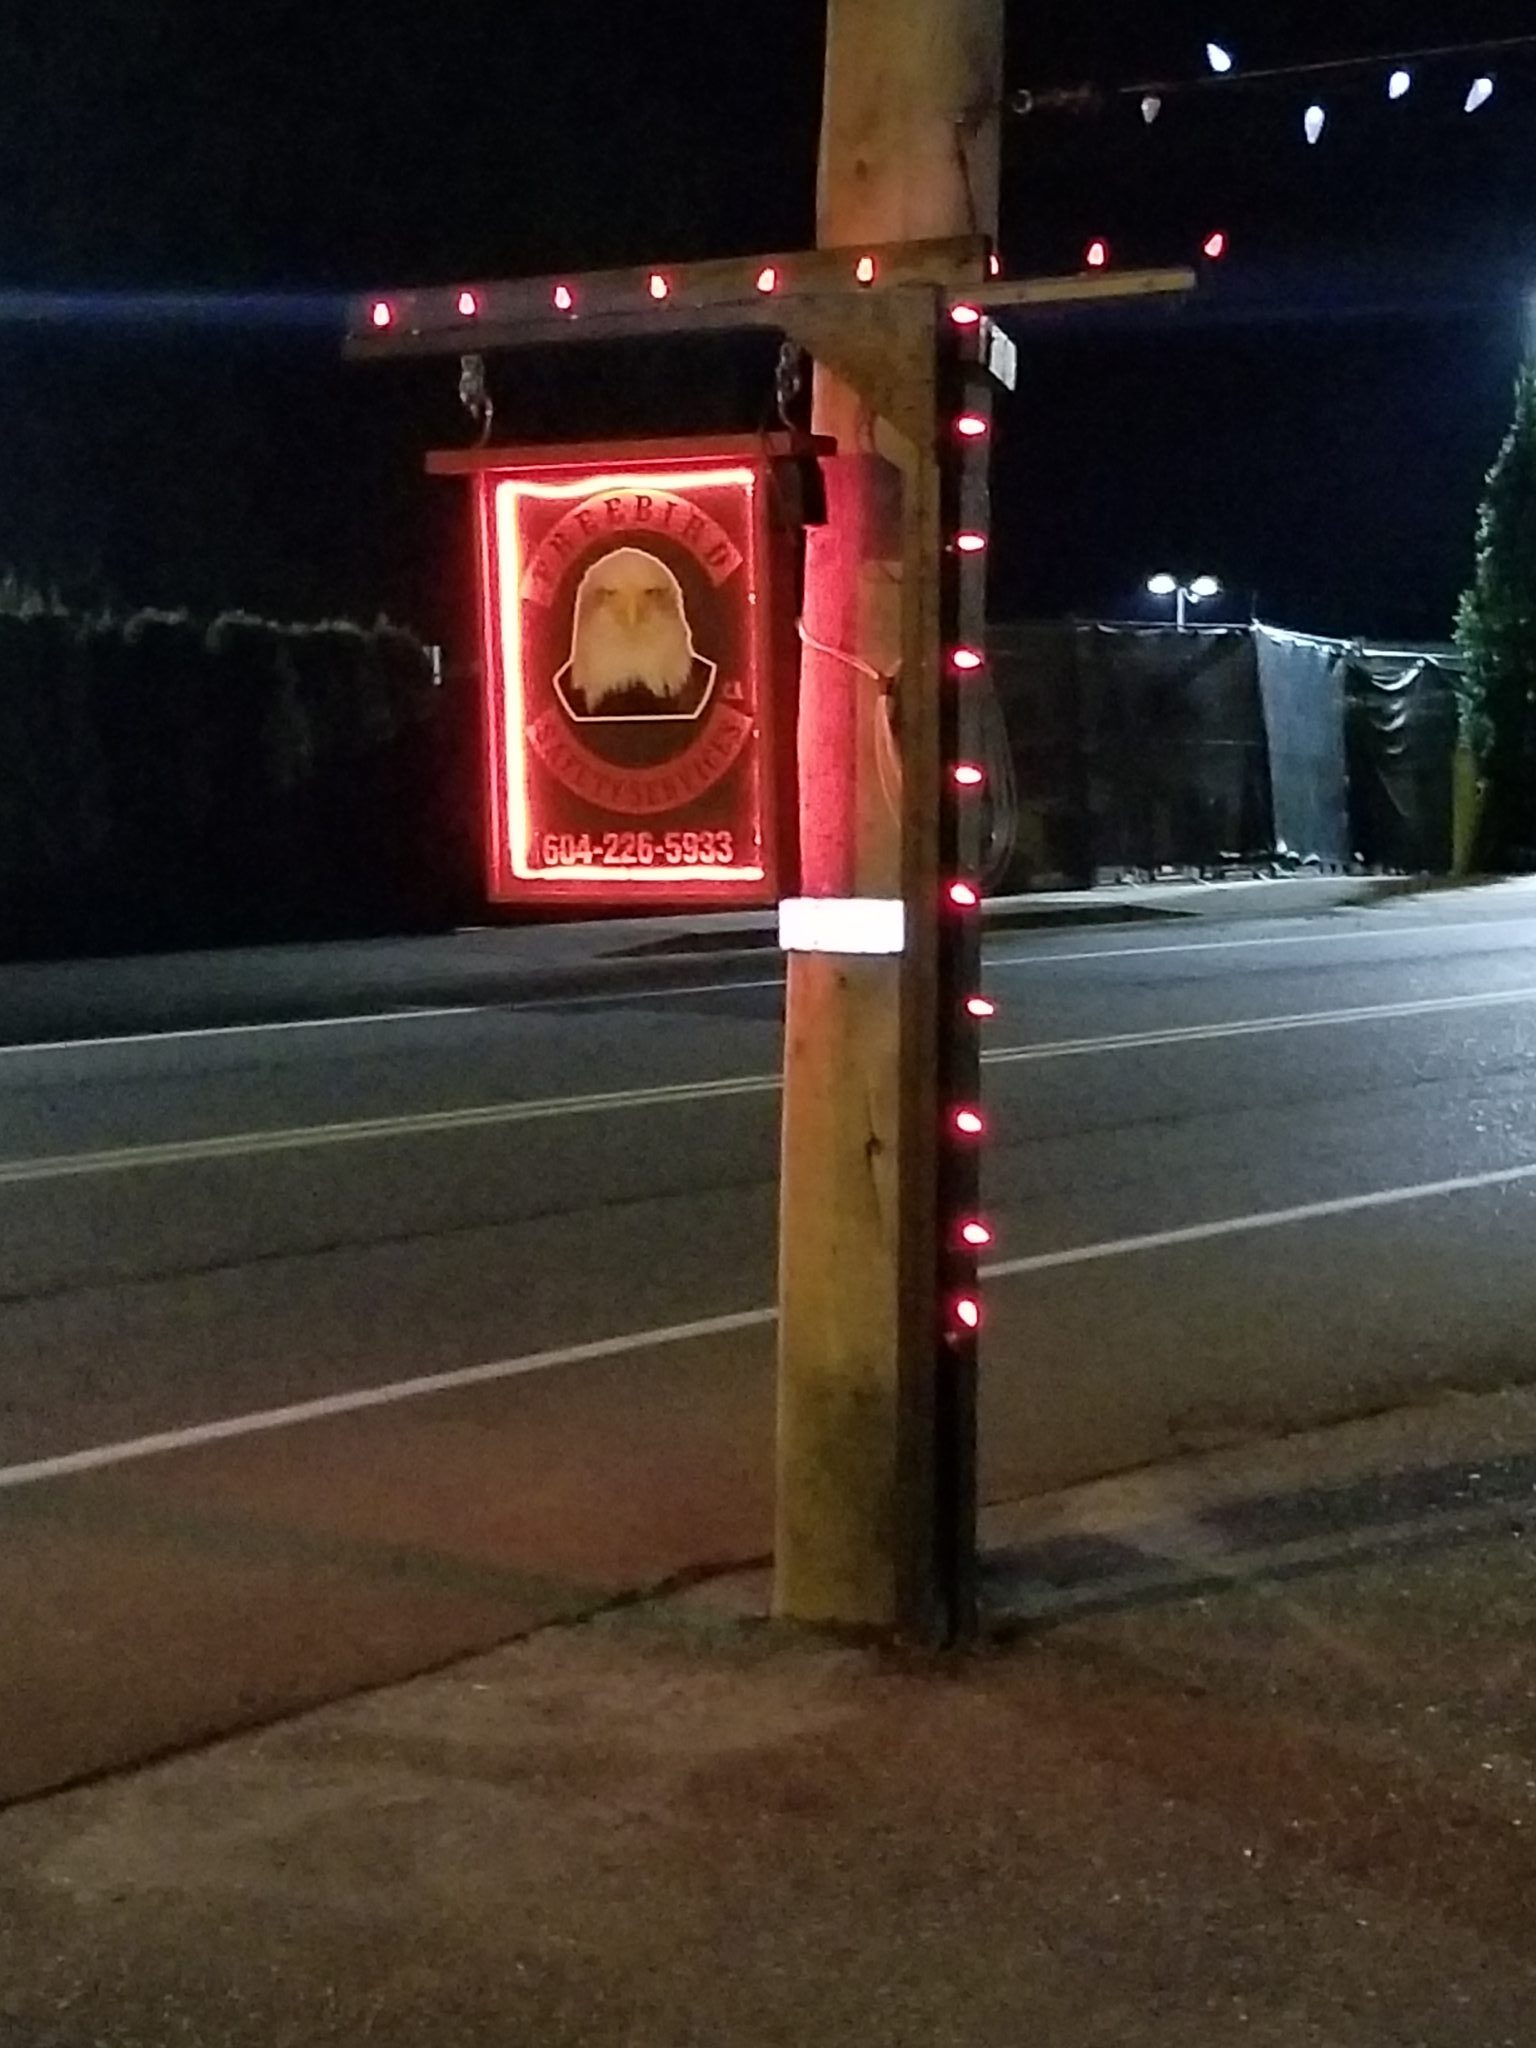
[1250,1757]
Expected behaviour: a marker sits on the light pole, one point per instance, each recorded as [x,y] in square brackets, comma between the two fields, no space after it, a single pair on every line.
[1200,591]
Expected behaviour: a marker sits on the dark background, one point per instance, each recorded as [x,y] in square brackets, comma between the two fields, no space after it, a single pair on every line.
[1314,431]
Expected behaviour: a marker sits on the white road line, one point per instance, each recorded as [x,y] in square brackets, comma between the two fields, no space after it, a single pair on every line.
[427,1123]
[99,1457]
[1270,1219]
[642,995]
[1328,938]
[1246,1027]
[416,1016]
[603,997]
[265,1420]
[310,1137]
[1059,959]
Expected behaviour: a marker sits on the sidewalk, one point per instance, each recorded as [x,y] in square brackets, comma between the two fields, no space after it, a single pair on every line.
[1252,1758]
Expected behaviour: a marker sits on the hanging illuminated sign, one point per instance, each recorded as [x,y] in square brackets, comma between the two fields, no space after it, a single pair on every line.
[635,672]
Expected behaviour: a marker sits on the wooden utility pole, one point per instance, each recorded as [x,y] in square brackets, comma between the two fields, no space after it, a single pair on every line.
[875,1493]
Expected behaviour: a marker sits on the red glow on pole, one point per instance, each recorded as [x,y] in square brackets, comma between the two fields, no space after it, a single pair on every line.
[864,270]
[659,288]
[1216,246]
[469,305]
[970,543]
[964,896]
[965,316]
[969,1123]
[968,1312]
[972,426]
[976,1234]
[565,298]
[980,1006]
[967,660]
[1097,255]
[969,776]
[383,314]
[768,279]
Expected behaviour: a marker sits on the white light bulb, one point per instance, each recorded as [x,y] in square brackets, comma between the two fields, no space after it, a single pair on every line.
[1205,587]
[1315,122]
[1219,59]
[1151,107]
[1480,95]
[1399,85]
[1163,586]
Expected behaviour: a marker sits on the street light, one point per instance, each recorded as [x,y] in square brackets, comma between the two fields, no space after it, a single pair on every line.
[1200,591]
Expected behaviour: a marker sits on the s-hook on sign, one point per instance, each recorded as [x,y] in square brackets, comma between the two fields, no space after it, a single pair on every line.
[636,673]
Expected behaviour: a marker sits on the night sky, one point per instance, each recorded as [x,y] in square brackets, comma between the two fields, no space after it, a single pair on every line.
[1314,429]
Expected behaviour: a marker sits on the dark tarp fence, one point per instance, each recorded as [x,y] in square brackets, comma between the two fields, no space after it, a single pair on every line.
[1301,693]
[1401,733]
[1140,749]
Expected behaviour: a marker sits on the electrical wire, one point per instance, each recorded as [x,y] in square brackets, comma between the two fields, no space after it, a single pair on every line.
[887,752]
[1002,788]
[853,661]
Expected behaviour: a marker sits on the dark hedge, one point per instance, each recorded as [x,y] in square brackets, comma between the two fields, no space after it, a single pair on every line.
[166,781]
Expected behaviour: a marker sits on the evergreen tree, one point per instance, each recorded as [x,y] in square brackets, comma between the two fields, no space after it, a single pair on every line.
[1496,628]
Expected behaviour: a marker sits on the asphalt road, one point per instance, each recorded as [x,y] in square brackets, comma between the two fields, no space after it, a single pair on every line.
[335,1346]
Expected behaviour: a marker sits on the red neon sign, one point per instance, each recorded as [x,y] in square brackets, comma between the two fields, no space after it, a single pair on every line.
[630,674]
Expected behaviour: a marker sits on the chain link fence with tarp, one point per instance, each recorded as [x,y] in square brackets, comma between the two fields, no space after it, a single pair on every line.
[1141,751]
[1401,731]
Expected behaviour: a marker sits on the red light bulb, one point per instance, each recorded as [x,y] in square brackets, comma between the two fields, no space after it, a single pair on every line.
[1097,255]
[469,305]
[980,1006]
[968,659]
[968,1312]
[971,426]
[659,288]
[768,279]
[963,895]
[970,543]
[969,1123]
[564,298]
[383,314]
[864,270]
[969,776]
[965,316]
[1216,246]
[976,1234]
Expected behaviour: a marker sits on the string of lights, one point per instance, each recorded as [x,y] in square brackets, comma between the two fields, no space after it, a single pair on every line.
[1398,72]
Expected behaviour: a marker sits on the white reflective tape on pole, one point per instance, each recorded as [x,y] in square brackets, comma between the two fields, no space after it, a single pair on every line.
[843,924]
